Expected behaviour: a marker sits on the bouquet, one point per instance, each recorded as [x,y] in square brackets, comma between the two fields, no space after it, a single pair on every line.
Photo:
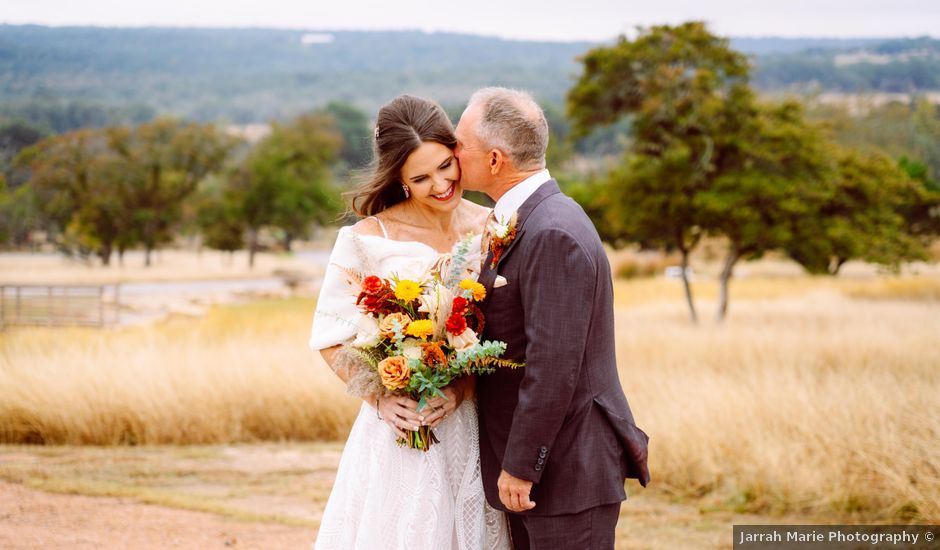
[420,335]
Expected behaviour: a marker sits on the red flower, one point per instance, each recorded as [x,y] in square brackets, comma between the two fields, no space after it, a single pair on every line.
[372,303]
[456,324]
[372,284]
[459,306]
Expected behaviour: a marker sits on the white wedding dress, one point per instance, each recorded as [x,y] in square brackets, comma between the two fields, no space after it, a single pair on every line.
[386,497]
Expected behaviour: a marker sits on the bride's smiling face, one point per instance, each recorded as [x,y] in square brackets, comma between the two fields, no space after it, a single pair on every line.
[433,176]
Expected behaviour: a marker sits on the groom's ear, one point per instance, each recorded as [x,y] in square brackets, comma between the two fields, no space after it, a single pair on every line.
[496,160]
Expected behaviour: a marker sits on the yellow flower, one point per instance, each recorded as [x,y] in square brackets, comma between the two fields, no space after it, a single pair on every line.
[479,291]
[420,329]
[407,290]
[394,372]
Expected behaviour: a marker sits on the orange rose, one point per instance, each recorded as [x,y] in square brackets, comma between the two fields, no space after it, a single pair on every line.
[387,326]
[394,372]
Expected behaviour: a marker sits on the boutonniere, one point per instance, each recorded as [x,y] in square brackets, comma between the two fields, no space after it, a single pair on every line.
[501,234]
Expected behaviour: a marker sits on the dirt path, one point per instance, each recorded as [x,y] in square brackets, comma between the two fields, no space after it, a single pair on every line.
[31,519]
[264,496]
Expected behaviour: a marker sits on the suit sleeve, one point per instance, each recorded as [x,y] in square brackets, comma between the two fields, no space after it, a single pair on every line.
[557,291]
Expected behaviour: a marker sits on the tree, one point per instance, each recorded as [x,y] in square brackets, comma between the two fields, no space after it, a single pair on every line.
[684,90]
[162,163]
[356,132]
[14,137]
[560,146]
[922,209]
[18,215]
[221,222]
[772,173]
[285,182]
[75,181]
[863,217]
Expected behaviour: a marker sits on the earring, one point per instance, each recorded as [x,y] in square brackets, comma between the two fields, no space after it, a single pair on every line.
[407,191]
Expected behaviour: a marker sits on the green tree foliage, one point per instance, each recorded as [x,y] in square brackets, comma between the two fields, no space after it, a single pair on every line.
[771,173]
[285,182]
[161,163]
[708,157]
[922,211]
[74,179]
[354,127]
[17,214]
[101,190]
[14,137]
[560,146]
[862,216]
[684,90]
[219,216]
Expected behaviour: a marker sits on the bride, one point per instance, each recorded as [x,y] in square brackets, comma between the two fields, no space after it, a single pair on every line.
[386,496]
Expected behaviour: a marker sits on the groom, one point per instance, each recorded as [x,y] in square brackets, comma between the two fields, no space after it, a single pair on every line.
[557,438]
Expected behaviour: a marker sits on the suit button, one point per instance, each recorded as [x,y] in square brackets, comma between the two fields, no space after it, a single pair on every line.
[542,454]
[541,461]
[538,468]
[543,449]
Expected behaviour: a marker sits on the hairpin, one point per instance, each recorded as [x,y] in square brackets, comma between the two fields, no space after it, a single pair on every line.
[376,132]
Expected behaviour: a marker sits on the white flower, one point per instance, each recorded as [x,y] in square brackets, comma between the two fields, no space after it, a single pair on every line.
[501,227]
[466,340]
[368,335]
[437,303]
[411,349]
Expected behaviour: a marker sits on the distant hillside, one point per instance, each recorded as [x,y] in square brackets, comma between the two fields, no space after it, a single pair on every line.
[250,75]
[892,66]
[247,75]
[774,45]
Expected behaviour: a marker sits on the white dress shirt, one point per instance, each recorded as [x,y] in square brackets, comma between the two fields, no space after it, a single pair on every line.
[512,200]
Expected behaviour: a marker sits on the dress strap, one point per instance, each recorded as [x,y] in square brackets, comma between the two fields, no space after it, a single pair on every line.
[382,225]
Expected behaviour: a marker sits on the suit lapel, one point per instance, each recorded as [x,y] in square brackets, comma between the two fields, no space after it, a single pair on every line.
[544,191]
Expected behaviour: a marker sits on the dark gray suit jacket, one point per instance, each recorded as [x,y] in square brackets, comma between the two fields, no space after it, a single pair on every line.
[563,421]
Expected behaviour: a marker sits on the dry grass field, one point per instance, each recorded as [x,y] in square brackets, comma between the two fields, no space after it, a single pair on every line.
[817,399]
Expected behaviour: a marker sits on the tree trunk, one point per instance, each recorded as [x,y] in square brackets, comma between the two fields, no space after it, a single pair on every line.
[252,246]
[726,272]
[688,288]
[836,265]
[147,253]
[105,254]
[288,240]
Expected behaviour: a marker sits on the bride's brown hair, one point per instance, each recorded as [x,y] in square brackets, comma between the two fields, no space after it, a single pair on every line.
[401,126]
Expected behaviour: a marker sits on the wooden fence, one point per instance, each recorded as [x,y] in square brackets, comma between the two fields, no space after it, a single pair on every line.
[59,305]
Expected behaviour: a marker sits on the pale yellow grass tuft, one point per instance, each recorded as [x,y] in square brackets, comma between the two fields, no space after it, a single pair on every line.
[243,373]
[817,405]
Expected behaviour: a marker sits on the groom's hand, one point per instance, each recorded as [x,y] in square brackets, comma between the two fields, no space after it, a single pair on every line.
[514,492]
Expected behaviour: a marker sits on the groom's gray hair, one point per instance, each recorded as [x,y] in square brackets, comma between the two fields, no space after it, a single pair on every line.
[512,122]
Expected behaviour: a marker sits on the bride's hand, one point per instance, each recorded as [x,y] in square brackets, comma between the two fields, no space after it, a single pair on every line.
[439,408]
[399,413]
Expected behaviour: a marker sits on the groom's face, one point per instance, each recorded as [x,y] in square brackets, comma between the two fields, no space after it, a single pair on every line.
[474,173]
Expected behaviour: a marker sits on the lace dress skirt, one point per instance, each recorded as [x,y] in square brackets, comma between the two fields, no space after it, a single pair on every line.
[388,497]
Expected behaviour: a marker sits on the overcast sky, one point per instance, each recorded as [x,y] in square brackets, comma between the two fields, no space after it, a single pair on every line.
[521,19]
